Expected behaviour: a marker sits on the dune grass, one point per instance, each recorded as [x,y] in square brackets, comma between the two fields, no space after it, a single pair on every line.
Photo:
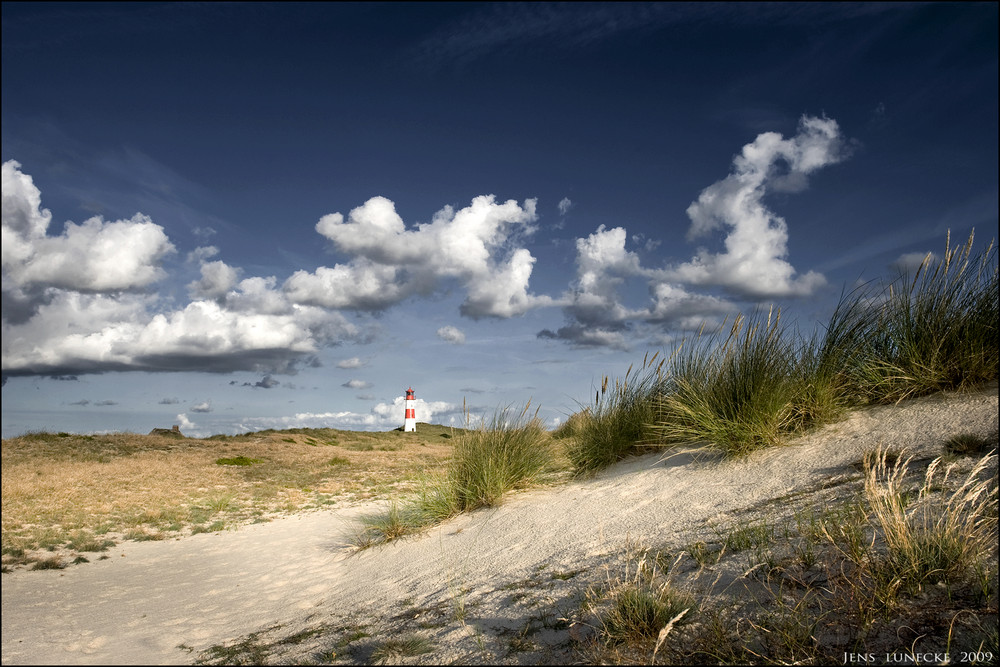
[738,388]
[396,648]
[917,335]
[640,603]
[753,383]
[510,451]
[618,424]
[743,391]
[507,453]
[905,566]
[928,542]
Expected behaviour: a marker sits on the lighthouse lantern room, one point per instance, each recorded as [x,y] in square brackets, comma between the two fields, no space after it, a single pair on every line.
[410,421]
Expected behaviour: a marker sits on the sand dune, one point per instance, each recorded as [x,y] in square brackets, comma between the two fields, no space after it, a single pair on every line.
[469,586]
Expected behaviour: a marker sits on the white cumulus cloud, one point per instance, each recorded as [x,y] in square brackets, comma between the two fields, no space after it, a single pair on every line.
[77,301]
[594,305]
[217,278]
[754,262]
[24,219]
[451,335]
[685,310]
[602,263]
[91,256]
[389,262]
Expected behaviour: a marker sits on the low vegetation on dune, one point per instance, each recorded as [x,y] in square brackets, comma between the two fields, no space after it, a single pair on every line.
[619,422]
[510,451]
[751,384]
[932,331]
[899,570]
[71,497]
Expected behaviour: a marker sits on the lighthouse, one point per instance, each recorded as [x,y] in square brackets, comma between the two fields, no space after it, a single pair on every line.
[410,422]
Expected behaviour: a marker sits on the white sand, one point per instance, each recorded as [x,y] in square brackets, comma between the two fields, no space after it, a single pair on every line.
[513,571]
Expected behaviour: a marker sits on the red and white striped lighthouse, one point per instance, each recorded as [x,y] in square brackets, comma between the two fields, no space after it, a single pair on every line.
[410,423]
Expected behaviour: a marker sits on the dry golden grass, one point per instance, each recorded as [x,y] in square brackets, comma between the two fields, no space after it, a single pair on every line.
[930,540]
[67,493]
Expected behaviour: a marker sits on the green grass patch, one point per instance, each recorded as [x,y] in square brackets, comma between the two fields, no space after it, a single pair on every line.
[238,461]
[86,541]
[746,535]
[51,563]
[704,554]
[641,612]
[250,650]
[640,604]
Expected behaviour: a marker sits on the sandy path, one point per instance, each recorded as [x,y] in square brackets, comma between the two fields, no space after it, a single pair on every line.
[140,607]
[148,598]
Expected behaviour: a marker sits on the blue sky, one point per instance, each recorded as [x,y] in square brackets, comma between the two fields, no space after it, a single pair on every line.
[243,216]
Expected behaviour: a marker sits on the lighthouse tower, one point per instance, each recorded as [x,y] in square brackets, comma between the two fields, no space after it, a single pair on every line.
[410,423]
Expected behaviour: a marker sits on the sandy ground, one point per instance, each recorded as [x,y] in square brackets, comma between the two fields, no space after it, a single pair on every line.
[478,587]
